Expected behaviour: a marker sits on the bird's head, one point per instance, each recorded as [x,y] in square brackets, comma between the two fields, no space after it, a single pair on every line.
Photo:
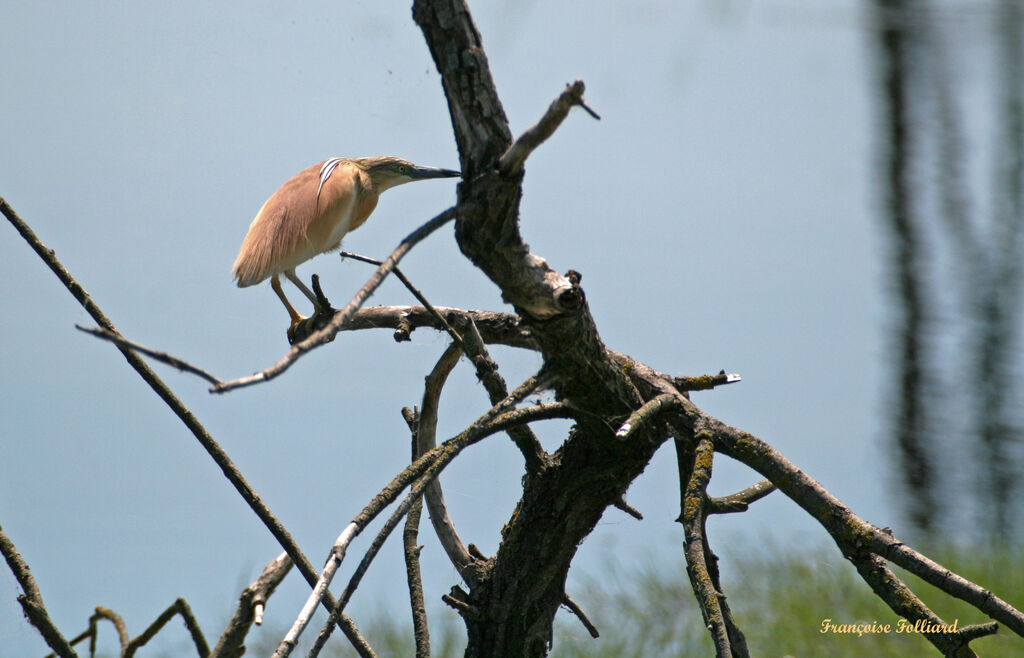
[388,171]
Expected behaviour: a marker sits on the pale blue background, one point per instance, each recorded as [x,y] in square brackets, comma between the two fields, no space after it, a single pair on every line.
[721,212]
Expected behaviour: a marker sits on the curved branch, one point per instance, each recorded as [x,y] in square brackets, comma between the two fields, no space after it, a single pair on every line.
[426,440]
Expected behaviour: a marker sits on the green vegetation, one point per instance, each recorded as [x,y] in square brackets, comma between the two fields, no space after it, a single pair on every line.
[780,601]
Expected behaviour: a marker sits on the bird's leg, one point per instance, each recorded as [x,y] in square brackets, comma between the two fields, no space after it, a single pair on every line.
[275,283]
[322,311]
[302,286]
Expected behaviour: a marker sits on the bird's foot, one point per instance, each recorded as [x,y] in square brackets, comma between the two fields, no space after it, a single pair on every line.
[302,328]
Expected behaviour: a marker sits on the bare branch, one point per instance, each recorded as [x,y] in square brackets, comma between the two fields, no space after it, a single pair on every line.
[415,293]
[32,600]
[974,631]
[512,161]
[648,411]
[426,440]
[705,382]
[328,333]
[696,566]
[163,357]
[423,471]
[628,509]
[741,500]
[411,550]
[499,328]
[457,600]
[250,608]
[122,630]
[905,603]
[186,416]
[494,384]
[179,607]
[934,573]
[576,610]
[849,531]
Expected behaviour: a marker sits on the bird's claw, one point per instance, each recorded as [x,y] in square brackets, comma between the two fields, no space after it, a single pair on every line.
[302,328]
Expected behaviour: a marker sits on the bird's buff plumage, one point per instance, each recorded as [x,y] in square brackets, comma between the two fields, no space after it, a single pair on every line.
[312,212]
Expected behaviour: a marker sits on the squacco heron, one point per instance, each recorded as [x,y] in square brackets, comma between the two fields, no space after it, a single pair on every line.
[312,212]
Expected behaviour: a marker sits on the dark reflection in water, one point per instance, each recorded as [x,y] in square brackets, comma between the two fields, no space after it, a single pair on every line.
[953,215]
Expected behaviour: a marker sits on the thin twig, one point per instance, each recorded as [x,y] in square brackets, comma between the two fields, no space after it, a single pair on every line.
[186,416]
[411,551]
[512,161]
[445,454]
[32,600]
[473,346]
[163,357]
[576,610]
[413,289]
[122,629]
[499,328]
[328,333]
[741,500]
[621,504]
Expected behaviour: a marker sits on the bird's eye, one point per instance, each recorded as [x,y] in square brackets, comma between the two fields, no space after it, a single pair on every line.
[403,169]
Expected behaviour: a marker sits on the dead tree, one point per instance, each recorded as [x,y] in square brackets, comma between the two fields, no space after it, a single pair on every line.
[623,411]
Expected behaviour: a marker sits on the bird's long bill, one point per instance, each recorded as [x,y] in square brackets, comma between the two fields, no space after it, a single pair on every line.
[420,173]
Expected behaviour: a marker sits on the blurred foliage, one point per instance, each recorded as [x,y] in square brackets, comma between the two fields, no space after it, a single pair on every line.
[780,598]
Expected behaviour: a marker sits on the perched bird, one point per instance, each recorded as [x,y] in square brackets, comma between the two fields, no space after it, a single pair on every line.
[312,212]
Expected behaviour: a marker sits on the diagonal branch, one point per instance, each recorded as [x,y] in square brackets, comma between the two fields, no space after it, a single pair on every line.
[157,355]
[494,384]
[32,599]
[251,604]
[328,333]
[414,290]
[512,161]
[179,607]
[186,416]
[901,600]
[420,474]
[851,533]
